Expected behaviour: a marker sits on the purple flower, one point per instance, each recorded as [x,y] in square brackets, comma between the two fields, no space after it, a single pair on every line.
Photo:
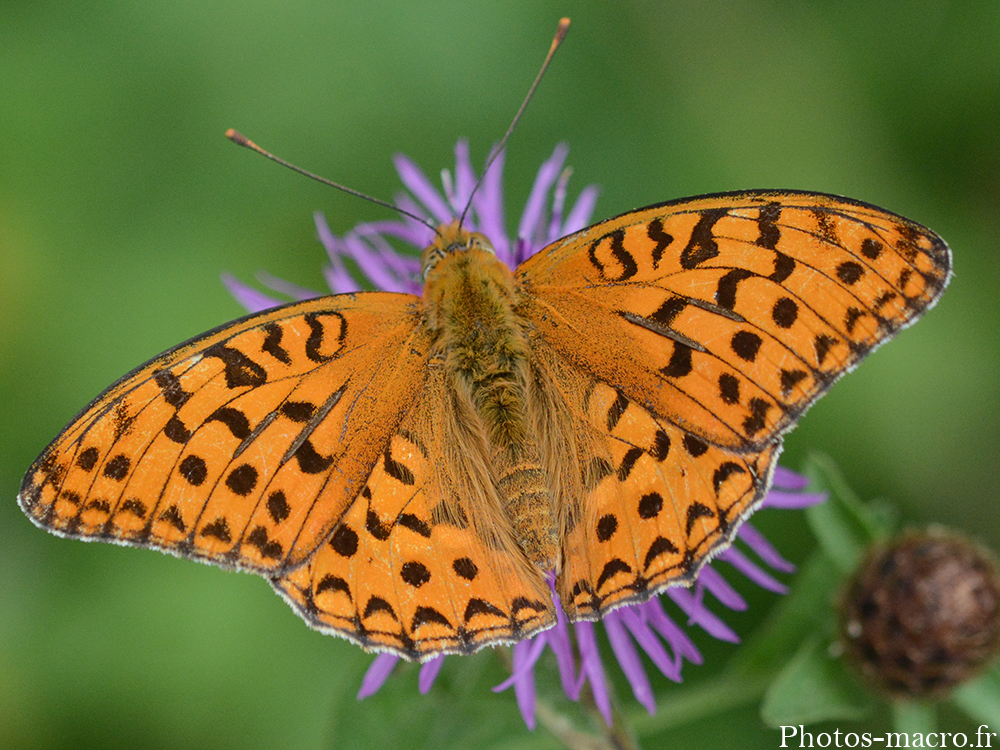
[630,629]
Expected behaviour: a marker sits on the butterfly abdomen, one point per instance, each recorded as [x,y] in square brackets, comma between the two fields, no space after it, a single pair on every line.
[469,301]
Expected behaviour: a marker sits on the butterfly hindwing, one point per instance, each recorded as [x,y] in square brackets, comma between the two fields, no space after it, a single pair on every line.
[654,501]
[417,565]
[243,446]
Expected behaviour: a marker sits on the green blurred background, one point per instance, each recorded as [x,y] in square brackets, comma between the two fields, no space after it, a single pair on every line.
[121,203]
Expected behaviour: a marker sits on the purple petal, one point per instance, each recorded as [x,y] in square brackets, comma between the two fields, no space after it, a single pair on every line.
[251,299]
[698,614]
[714,583]
[752,571]
[339,280]
[787,479]
[763,548]
[628,660]
[526,653]
[792,500]
[395,272]
[559,642]
[634,619]
[592,669]
[428,673]
[555,231]
[422,189]
[287,288]
[671,632]
[579,215]
[337,276]
[488,202]
[524,660]
[370,263]
[530,230]
[411,232]
[378,672]
[465,176]
[400,264]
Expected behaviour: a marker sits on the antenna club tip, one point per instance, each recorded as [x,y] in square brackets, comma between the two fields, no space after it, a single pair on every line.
[237,137]
[560,33]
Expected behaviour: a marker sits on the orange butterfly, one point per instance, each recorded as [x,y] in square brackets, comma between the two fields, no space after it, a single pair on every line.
[405,470]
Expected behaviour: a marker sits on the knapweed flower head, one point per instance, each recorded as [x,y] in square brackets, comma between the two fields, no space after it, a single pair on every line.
[646,628]
[922,613]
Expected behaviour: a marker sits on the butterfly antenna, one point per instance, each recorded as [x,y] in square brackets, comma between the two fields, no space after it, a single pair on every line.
[556,41]
[241,140]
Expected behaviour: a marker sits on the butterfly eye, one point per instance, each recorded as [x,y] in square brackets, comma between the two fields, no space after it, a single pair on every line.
[429,258]
[481,242]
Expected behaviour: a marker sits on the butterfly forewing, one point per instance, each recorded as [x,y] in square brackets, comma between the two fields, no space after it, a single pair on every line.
[729,314]
[243,446]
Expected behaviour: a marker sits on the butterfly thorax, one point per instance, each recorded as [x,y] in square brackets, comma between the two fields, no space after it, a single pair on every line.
[469,300]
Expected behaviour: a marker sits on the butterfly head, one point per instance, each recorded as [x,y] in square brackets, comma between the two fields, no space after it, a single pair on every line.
[451,239]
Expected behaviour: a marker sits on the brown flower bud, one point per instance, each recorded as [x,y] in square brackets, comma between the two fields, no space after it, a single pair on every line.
[923,613]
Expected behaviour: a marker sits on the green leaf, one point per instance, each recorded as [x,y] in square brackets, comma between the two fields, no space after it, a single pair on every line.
[914,717]
[980,699]
[843,524]
[813,686]
[806,610]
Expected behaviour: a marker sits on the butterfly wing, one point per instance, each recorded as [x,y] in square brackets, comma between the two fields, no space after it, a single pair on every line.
[700,331]
[417,565]
[244,446]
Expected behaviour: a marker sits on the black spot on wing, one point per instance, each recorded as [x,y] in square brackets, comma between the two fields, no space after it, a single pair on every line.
[785,312]
[269,549]
[654,230]
[170,388]
[745,345]
[397,470]
[694,512]
[413,523]
[87,459]
[193,469]
[725,290]
[660,546]
[616,239]
[240,371]
[317,335]
[232,418]
[702,246]
[606,527]
[628,461]
[768,227]
[612,568]
[615,411]
[729,388]
[425,615]
[680,361]
[414,574]
[650,505]
[757,419]
[477,607]
[272,343]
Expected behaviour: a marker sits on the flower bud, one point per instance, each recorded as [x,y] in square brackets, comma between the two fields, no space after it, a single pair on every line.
[923,613]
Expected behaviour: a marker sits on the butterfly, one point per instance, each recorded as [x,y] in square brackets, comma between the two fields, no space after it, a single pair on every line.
[410,472]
